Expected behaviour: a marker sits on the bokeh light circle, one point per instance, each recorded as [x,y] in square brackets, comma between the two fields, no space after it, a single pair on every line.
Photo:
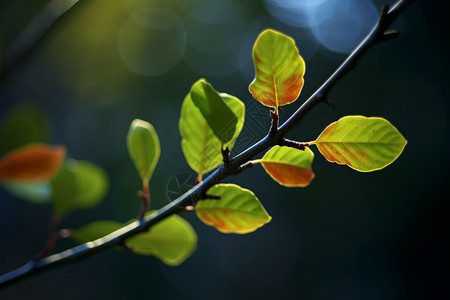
[347,25]
[337,24]
[297,12]
[153,45]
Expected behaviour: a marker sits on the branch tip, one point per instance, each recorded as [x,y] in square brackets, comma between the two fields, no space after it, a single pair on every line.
[384,12]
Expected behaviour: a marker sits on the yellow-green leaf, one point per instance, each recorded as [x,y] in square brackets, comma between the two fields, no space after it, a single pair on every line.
[172,240]
[201,148]
[289,166]
[364,144]
[143,147]
[237,211]
[279,69]
[221,119]
[94,231]
[31,163]
[78,185]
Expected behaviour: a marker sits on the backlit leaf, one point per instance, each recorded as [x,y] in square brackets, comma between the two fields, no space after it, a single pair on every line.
[201,148]
[221,119]
[31,163]
[78,185]
[237,211]
[94,231]
[279,69]
[172,240]
[364,144]
[289,166]
[143,147]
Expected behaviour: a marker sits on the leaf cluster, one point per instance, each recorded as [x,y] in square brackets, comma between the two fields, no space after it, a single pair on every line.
[210,123]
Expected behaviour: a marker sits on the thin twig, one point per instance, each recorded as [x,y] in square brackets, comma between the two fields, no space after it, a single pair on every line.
[145,201]
[195,194]
[35,31]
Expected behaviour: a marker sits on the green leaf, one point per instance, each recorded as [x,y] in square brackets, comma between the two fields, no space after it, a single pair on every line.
[94,231]
[364,144]
[237,211]
[172,240]
[201,148]
[143,147]
[36,192]
[279,69]
[288,166]
[219,116]
[78,185]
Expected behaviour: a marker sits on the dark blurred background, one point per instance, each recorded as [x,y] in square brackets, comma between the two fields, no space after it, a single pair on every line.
[349,235]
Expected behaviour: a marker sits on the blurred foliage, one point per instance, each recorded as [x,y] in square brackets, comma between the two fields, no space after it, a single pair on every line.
[78,185]
[25,123]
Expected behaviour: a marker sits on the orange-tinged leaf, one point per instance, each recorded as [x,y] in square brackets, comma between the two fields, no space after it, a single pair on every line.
[364,144]
[279,69]
[31,163]
[288,175]
[289,166]
[237,211]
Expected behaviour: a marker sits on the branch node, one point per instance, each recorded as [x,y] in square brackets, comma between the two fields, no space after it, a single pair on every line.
[325,99]
[226,157]
[127,246]
[274,126]
[389,35]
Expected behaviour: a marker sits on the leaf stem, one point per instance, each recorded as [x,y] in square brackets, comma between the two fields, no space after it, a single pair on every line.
[145,200]
[246,166]
[52,239]
[293,144]
[209,196]
[274,125]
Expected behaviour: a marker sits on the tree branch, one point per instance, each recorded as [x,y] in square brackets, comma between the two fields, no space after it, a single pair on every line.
[377,35]
[35,31]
